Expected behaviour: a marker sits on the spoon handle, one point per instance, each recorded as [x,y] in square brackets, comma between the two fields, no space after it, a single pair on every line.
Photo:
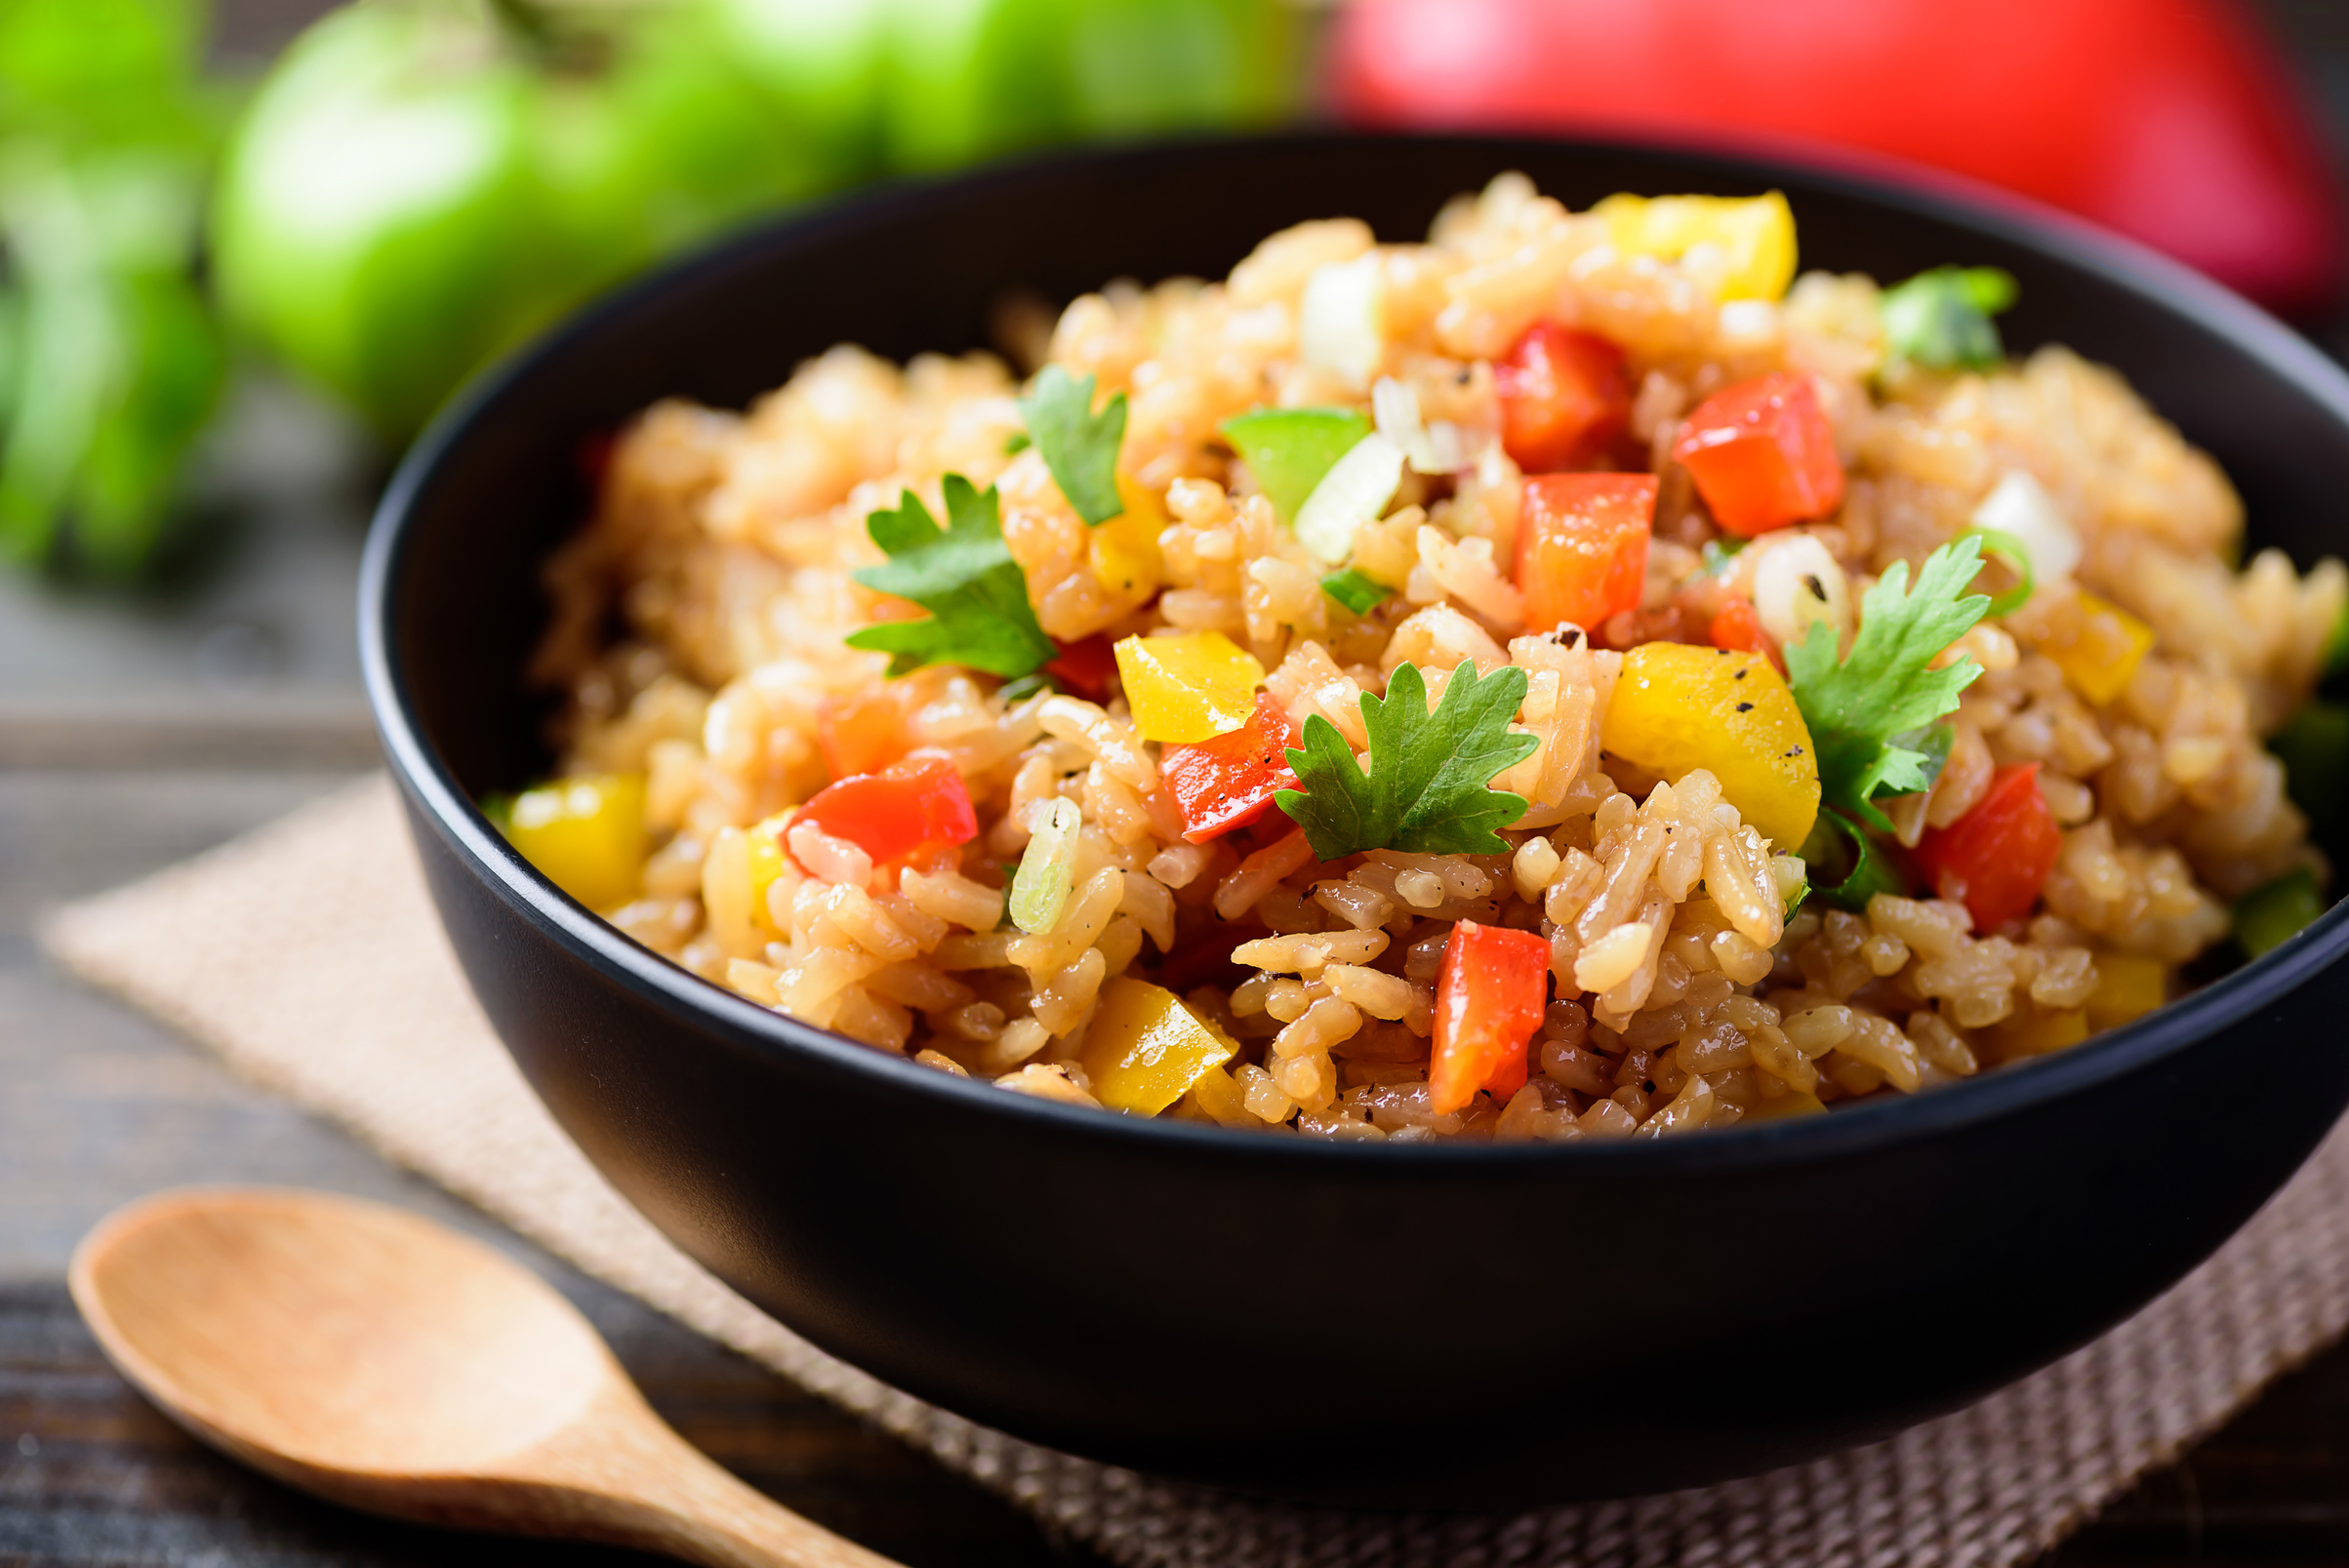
[635,1481]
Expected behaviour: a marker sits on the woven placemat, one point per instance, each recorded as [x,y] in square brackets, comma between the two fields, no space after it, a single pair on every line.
[308,956]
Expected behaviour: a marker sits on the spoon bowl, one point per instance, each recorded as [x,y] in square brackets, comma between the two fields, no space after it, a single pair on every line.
[385,1363]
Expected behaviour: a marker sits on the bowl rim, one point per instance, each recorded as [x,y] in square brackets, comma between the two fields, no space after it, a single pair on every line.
[2115,262]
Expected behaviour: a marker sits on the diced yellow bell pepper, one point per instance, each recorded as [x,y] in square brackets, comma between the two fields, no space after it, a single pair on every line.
[1146,1047]
[1125,549]
[586,834]
[1756,234]
[2098,648]
[2039,1035]
[1188,688]
[1794,1102]
[1680,707]
[767,859]
[2129,986]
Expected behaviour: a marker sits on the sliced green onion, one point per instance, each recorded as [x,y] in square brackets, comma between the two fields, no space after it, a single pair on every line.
[2020,506]
[1039,890]
[1357,593]
[2268,916]
[1838,844]
[1941,319]
[1019,688]
[1354,493]
[2314,749]
[1341,317]
[1721,554]
[2013,554]
[1288,450]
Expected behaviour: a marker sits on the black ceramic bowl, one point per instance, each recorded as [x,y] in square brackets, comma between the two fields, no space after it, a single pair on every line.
[1460,1326]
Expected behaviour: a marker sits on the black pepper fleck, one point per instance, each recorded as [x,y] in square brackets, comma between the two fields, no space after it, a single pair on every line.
[1740,676]
[1745,707]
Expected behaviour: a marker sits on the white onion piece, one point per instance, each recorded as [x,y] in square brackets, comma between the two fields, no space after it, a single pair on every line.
[1429,448]
[2020,504]
[1342,319]
[1356,491]
[1799,582]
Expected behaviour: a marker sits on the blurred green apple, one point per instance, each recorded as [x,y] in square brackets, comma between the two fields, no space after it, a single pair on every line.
[421,184]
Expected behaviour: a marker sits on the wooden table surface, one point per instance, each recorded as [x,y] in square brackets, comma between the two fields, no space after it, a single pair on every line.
[132,735]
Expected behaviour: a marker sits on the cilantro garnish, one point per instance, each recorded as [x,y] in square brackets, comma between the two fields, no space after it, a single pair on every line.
[1357,593]
[1078,445]
[964,575]
[1425,790]
[1860,709]
[1941,319]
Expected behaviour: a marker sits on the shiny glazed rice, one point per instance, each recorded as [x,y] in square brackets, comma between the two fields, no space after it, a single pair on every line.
[1682,996]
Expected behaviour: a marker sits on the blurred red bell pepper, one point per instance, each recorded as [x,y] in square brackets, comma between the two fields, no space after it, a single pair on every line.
[1582,547]
[1489,997]
[1227,782]
[919,803]
[1996,858]
[2172,121]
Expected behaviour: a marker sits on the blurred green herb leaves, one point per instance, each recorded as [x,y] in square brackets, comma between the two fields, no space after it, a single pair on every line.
[109,359]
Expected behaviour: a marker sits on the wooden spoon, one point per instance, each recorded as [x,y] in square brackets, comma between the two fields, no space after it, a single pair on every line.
[385,1362]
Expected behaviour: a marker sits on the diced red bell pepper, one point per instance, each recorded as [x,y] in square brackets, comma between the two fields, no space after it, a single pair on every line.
[861,733]
[1737,627]
[1565,397]
[1085,667]
[1762,454]
[1227,782]
[1996,858]
[1582,547]
[1489,997]
[912,805]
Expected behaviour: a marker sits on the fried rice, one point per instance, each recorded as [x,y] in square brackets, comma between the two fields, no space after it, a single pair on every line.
[1688,983]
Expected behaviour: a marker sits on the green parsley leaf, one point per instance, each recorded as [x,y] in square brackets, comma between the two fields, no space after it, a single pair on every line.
[964,575]
[1931,743]
[1425,790]
[1941,319]
[1357,593]
[1016,443]
[1079,446]
[1860,709]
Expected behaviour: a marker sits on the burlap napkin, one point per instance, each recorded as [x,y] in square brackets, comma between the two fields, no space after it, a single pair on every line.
[309,957]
